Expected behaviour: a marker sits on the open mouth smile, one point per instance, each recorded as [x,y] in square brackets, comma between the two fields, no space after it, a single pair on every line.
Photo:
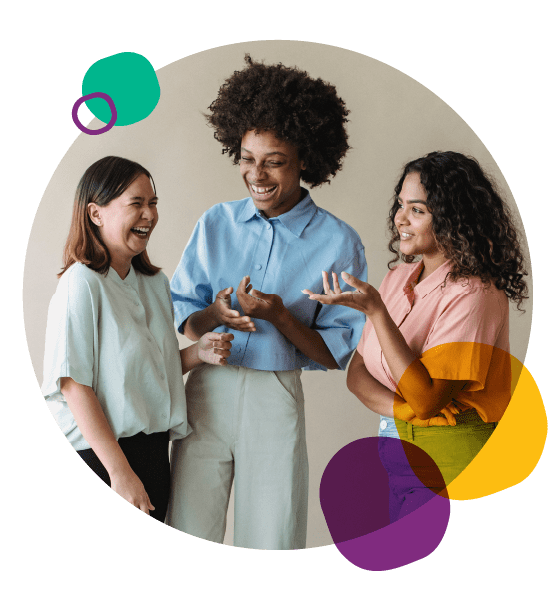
[262,191]
[141,232]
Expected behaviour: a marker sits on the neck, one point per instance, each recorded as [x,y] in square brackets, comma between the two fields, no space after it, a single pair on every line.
[431,263]
[120,266]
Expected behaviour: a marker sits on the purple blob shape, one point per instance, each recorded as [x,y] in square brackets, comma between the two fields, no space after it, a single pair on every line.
[110,123]
[409,539]
[379,513]
[354,491]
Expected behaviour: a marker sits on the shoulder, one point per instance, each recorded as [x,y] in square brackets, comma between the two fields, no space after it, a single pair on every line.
[340,228]
[155,282]
[476,294]
[226,210]
[80,278]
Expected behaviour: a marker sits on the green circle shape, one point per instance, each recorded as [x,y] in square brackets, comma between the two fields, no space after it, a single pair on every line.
[130,80]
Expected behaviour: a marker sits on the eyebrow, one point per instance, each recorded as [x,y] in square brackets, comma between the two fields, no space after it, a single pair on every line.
[417,201]
[139,198]
[267,153]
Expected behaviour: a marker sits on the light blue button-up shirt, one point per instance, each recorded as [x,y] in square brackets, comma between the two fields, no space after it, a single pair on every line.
[282,255]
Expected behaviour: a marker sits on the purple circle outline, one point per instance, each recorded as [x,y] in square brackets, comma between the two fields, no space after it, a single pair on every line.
[113,111]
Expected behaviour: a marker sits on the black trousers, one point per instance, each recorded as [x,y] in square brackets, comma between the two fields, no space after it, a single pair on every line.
[147,455]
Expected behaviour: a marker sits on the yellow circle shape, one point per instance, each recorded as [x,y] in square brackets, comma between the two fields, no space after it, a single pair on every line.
[509,456]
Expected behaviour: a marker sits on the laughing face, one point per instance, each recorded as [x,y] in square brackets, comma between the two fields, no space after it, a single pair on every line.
[127,222]
[414,221]
[271,170]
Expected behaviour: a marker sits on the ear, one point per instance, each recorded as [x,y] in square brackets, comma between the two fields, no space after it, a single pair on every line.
[303,167]
[94,213]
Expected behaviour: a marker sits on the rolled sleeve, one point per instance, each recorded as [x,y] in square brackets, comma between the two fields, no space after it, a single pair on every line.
[341,327]
[70,335]
[190,285]
[461,344]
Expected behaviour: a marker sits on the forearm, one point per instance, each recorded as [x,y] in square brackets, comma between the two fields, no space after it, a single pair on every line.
[200,322]
[305,339]
[92,422]
[368,390]
[190,358]
[425,395]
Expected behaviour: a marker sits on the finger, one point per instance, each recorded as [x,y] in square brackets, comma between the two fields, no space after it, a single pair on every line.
[243,284]
[228,312]
[325,284]
[221,345]
[335,283]
[220,337]
[307,292]
[243,324]
[225,292]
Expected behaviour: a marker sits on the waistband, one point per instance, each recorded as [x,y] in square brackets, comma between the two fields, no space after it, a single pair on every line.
[468,418]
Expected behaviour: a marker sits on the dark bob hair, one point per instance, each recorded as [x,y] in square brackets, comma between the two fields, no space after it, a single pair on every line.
[299,109]
[103,181]
[470,221]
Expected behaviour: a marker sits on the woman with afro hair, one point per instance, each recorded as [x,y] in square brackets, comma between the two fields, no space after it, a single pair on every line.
[282,127]
[434,356]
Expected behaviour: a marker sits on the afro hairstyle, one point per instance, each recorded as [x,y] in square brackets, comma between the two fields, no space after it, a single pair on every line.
[304,111]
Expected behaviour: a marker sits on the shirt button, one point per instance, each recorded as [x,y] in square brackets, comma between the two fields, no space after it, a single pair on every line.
[258,267]
[137,304]
[383,424]
[164,416]
[269,226]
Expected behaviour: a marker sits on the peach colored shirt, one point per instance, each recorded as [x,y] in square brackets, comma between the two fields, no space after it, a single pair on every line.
[433,317]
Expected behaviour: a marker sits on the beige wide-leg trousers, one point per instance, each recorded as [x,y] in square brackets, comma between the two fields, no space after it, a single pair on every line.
[248,425]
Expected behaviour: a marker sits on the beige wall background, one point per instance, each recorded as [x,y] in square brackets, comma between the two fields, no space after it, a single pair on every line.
[393,119]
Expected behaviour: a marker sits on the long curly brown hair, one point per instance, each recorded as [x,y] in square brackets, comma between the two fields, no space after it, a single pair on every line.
[299,109]
[472,224]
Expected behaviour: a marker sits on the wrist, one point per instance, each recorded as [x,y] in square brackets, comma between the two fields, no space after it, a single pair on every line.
[376,312]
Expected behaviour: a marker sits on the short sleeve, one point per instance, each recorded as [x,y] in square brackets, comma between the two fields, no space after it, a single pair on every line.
[339,326]
[190,286]
[461,344]
[71,333]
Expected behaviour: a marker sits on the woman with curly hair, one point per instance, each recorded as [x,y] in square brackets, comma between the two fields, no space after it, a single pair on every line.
[282,127]
[434,351]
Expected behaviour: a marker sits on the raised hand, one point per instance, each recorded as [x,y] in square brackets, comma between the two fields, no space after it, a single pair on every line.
[364,298]
[224,315]
[214,348]
[257,304]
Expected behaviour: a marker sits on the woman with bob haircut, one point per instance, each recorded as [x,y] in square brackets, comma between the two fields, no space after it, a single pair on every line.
[434,356]
[282,127]
[112,366]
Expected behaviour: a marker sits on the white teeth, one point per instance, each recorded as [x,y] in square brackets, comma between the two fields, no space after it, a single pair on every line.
[404,235]
[261,190]
[144,230]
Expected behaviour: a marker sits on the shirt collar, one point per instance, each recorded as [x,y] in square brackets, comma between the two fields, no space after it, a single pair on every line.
[429,284]
[295,220]
[130,280]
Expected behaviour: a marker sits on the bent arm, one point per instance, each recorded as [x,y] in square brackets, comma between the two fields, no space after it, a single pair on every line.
[368,390]
[305,339]
[92,423]
[425,395]
[199,323]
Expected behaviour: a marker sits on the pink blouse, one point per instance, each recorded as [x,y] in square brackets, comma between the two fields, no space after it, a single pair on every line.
[460,330]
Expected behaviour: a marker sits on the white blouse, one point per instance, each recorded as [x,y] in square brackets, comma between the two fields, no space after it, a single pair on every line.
[116,336]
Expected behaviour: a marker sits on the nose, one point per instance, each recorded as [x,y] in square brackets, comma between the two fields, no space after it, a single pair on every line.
[400,217]
[256,173]
[148,213]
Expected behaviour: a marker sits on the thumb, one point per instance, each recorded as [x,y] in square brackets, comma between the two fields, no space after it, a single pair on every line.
[354,281]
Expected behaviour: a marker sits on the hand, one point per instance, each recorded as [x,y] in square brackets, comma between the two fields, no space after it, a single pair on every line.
[226,316]
[403,411]
[259,305]
[214,348]
[130,487]
[365,298]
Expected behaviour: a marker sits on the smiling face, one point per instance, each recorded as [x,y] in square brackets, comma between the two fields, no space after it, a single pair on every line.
[271,169]
[414,222]
[127,222]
